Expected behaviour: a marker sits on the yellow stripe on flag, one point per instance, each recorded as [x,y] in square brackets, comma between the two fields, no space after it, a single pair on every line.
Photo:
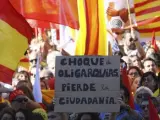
[151,25]
[81,39]
[147,6]
[147,16]
[14,45]
[102,42]
[148,35]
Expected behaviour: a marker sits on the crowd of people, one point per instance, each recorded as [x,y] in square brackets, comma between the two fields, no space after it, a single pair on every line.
[141,61]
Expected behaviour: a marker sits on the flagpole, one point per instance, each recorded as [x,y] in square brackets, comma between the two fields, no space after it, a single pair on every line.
[129,14]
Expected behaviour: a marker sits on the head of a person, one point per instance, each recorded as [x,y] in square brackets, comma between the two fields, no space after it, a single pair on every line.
[149,51]
[128,61]
[44,85]
[145,107]
[88,116]
[124,94]
[51,59]
[136,61]
[41,112]
[23,114]
[118,53]
[134,72]
[149,79]
[135,84]
[129,41]
[3,105]
[141,94]
[55,115]
[33,59]
[134,75]
[156,58]
[45,74]
[18,99]
[149,65]
[26,90]
[37,116]
[23,75]
[45,77]
[7,114]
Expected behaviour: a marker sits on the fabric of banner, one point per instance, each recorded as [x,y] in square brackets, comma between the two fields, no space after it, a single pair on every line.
[49,10]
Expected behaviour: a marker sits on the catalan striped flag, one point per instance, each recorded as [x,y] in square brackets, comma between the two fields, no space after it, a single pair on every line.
[15,35]
[96,38]
[147,9]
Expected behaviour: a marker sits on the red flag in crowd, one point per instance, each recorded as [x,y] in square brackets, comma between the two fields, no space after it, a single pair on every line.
[154,45]
[152,111]
[126,83]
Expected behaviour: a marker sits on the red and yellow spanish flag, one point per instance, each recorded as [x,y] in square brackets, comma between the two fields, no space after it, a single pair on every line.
[147,9]
[63,12]
[15,35]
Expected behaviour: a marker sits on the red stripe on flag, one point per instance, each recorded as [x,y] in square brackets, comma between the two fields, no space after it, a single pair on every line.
[146,11]
[150,20]
[6,74]
[149,30]
[24,60]
[14,19]
[140,4]
[52,18]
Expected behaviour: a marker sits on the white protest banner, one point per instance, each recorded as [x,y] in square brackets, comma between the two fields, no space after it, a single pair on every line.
[87,84]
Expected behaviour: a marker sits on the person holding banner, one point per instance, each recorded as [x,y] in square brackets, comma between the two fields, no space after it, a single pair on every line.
[126,113]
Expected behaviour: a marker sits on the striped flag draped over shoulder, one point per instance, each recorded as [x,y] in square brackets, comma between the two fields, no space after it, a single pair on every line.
[147,9]
[15,35]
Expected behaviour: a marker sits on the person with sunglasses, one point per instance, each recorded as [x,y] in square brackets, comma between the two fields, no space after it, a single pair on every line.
[145,107]
[132,45]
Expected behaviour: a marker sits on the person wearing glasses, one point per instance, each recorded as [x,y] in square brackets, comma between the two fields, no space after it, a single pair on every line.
[134,74]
